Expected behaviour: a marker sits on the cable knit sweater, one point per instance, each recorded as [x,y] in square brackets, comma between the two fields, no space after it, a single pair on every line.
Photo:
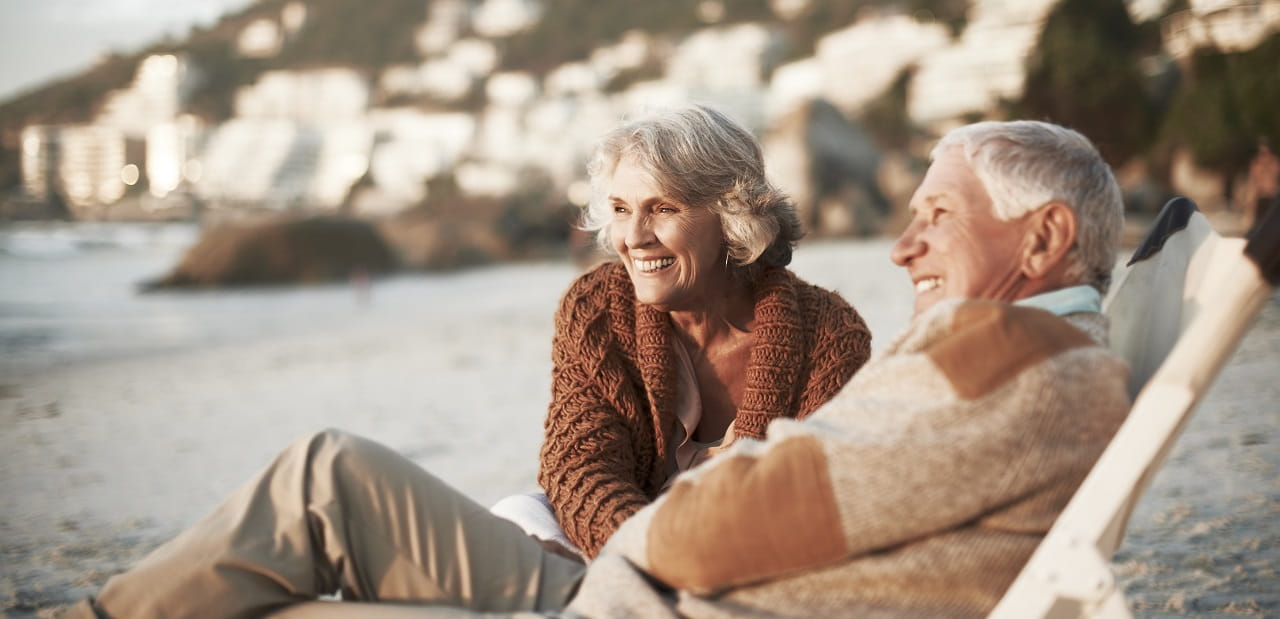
[920,490]
[612,413]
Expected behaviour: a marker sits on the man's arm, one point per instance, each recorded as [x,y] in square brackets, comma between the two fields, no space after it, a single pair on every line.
[921,443]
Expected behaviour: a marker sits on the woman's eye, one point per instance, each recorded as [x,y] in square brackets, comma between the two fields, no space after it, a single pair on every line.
[619,210]
[666,209]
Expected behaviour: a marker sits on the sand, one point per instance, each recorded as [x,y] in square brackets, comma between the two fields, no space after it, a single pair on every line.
[103,459]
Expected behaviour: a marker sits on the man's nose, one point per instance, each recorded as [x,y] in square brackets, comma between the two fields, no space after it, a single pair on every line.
[908,246]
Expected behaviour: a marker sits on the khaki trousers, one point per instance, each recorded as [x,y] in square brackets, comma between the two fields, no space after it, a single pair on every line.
[335,512]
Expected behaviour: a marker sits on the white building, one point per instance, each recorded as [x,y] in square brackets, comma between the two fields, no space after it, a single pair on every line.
[281,163]
[572,79]
[262,38]
[503,18]
[698,70]
[413,147]
[1224,26]
[293,17]
[172,154]
[241,159]
[155,96]
[632,51]
[39,160]
[511,89]
[860,62]
[449,76]
[560,132]
[445,22]
[444,80]
[726,59]
[317,96]
[91,161]
[986,65]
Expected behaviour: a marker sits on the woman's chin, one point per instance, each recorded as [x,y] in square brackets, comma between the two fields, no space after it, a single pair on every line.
[661,299]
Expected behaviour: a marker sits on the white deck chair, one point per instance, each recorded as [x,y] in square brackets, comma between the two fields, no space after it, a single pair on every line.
[1178,312]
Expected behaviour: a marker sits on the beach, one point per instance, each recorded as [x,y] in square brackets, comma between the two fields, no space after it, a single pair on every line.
[126,417]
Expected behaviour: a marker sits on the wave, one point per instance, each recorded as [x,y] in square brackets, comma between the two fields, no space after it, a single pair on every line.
[62,240]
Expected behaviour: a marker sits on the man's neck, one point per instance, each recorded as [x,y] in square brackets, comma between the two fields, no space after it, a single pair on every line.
[1065,301]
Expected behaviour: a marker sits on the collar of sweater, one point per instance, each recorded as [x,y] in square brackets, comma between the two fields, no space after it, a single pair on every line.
[935,323]
[776,357]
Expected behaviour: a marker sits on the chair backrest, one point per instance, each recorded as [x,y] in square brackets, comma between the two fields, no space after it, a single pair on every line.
[1161,289]
[1180,318]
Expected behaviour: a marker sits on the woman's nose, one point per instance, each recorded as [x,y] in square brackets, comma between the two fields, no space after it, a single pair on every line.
[640,232]
[908,246]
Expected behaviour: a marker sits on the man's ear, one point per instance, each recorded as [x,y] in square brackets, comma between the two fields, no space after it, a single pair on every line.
[1052,234]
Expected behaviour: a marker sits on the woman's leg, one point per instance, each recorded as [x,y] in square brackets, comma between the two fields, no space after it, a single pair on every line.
[335,512]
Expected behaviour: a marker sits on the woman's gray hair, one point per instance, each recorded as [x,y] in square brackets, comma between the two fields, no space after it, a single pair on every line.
[1025,164]
[700,157]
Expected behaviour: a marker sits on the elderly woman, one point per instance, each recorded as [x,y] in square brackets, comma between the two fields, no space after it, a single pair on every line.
[697,335]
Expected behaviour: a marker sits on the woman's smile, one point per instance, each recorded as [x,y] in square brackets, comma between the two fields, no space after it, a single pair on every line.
[652,265]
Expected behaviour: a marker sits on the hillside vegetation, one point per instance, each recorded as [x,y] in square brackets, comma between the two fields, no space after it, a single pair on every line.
[1093,69]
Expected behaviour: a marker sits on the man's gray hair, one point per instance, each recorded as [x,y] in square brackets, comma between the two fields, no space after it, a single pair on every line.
[1025,164]
[703,159]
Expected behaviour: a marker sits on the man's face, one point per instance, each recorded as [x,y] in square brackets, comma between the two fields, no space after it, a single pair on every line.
[955,247]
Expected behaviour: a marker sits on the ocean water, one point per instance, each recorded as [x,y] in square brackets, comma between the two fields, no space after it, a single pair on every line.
[69,293]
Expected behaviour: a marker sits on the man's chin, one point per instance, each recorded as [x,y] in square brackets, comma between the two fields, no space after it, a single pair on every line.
[923,305]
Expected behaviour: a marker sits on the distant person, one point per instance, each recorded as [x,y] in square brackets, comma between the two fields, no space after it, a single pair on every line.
[920,490]
[1264,184]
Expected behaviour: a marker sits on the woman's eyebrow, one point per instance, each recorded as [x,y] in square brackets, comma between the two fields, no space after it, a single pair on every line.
[646,202]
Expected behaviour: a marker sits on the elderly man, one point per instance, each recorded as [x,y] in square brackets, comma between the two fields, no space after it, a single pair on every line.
[918,491]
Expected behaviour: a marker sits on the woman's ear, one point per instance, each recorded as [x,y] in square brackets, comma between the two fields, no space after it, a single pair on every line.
[1052,234]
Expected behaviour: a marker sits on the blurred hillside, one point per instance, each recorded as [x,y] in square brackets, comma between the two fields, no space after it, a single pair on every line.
[462,126]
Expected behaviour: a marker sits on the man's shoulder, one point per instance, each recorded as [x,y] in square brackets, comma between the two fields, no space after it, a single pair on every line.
[979,345]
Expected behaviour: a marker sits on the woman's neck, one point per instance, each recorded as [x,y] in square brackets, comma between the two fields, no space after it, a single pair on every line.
[728,310]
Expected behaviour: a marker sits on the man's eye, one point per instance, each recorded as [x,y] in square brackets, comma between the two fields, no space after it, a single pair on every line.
[619,210]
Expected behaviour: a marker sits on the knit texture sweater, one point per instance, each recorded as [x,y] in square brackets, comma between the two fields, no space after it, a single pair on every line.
[920,490]
[611,422]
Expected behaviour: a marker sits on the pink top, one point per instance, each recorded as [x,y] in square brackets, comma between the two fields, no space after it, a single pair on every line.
[688,452]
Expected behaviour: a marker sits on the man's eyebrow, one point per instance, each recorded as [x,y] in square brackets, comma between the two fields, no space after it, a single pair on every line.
[930,201]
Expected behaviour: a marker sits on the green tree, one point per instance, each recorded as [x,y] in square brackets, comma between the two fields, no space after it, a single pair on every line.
[1083,73]
[1225,103]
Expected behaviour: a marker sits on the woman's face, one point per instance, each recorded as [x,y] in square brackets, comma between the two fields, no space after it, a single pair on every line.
[673,251]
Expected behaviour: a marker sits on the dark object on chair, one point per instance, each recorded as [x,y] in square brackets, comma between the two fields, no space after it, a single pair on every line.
[1173,217]
[1264,246]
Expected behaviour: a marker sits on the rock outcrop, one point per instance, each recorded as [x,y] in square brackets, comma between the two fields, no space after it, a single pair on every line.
[281,252]
[828,166]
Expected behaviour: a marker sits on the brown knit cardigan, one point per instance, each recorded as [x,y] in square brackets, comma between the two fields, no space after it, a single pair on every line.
[613,388]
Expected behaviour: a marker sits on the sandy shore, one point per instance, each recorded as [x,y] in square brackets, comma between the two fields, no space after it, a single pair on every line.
[104,459]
